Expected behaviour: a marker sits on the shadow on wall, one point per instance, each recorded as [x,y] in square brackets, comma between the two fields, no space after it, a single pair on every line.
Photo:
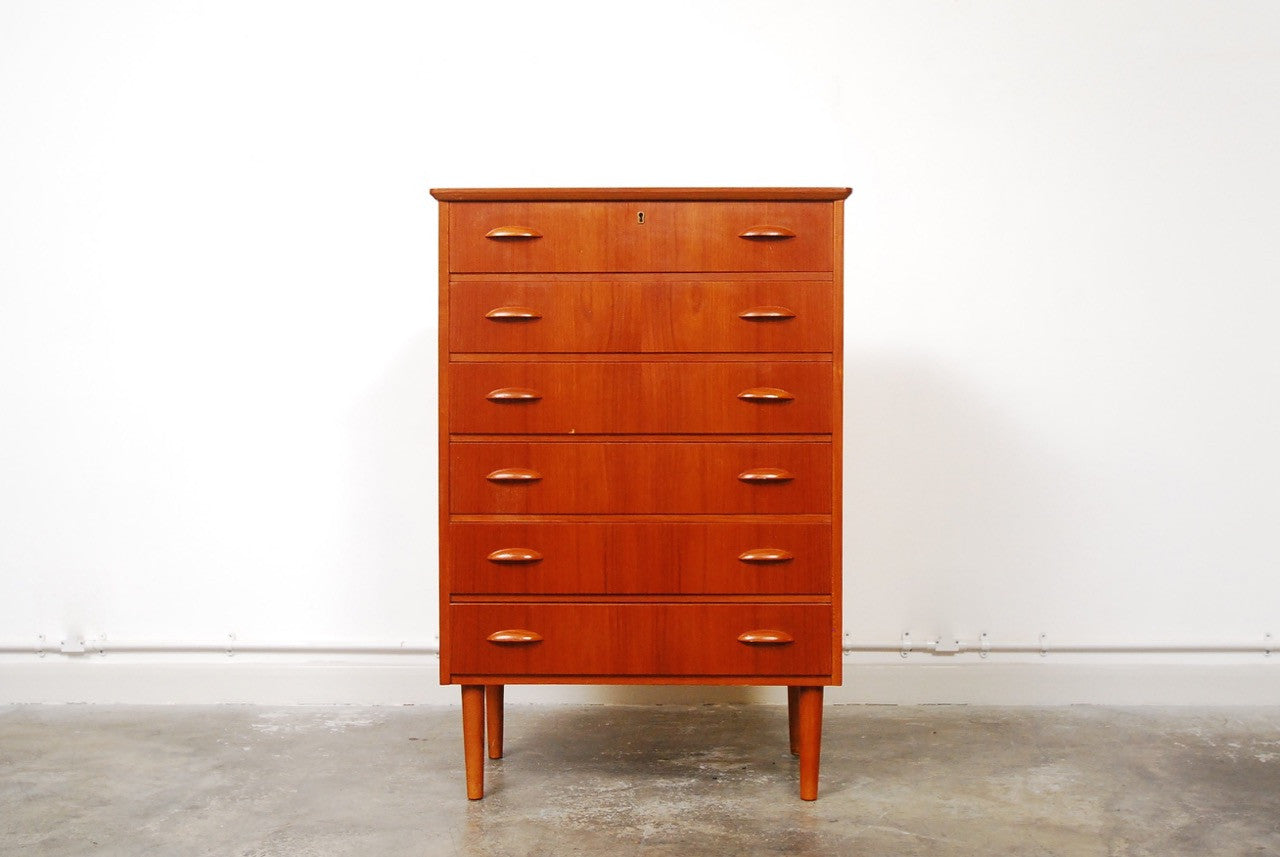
[389,502]
[956,514]
[956,518]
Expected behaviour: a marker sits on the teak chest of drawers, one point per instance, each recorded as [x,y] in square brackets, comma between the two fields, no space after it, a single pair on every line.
[640,411]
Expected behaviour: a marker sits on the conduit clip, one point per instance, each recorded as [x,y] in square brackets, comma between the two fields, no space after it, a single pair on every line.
[906,644]
[74,646]
[1044,645]
[984,645]
[1266,645]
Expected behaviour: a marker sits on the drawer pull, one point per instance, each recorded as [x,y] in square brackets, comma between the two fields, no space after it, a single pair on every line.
[765,637]
[513,394]
[767,233]
[766,475]
[515,636]
[765,395]
[766,555]
[514,556]
[512,233]
[513,313]
[514,475]
[766,313]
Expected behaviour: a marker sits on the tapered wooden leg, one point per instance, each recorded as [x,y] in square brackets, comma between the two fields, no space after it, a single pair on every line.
[473,738]
[810,705]
[793,718]
[493,718]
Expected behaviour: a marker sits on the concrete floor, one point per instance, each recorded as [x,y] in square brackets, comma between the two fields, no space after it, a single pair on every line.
[654,780]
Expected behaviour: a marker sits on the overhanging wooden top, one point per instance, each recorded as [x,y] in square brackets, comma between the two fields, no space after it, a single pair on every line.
[658,194]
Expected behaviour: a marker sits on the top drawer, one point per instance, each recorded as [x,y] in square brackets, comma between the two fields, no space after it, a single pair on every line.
[538,237]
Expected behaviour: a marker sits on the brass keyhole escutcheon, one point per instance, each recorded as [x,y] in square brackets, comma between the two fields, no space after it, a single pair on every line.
[640,217]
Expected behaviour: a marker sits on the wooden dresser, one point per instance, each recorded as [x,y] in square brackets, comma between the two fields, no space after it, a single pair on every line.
[640,412]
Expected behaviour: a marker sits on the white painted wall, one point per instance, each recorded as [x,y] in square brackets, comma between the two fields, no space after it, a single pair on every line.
[217,263]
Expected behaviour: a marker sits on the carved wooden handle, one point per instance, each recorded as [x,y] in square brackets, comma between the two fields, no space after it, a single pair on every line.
[515,555]
[764,637]
[765,394]
[513,313]
[513,394]
[766,475]
[762,555]
[512,233]
[514,475]
[767,233]
[766,313]
[516,636]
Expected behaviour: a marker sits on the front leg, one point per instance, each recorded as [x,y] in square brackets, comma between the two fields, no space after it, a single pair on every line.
[473,738]
[810,705]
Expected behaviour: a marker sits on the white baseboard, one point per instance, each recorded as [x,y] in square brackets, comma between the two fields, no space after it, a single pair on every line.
[415,681]
[1055,683]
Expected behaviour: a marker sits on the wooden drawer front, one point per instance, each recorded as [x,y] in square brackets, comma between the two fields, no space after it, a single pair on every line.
[632,558]
[584,316]
[640,639]
[639,478]
[640,398]
[607,236]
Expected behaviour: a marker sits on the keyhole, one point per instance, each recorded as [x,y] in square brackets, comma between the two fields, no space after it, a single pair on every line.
[639,217]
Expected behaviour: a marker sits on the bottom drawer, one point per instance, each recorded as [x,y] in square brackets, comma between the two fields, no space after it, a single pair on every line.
[640,639]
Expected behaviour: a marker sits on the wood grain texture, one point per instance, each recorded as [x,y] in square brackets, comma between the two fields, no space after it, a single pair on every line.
[617,558]
[605,236]
[639,478]
[642,639]
[640,398]
[581,316]
[702,194]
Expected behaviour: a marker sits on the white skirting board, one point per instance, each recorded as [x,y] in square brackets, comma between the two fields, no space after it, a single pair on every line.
[382,681]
